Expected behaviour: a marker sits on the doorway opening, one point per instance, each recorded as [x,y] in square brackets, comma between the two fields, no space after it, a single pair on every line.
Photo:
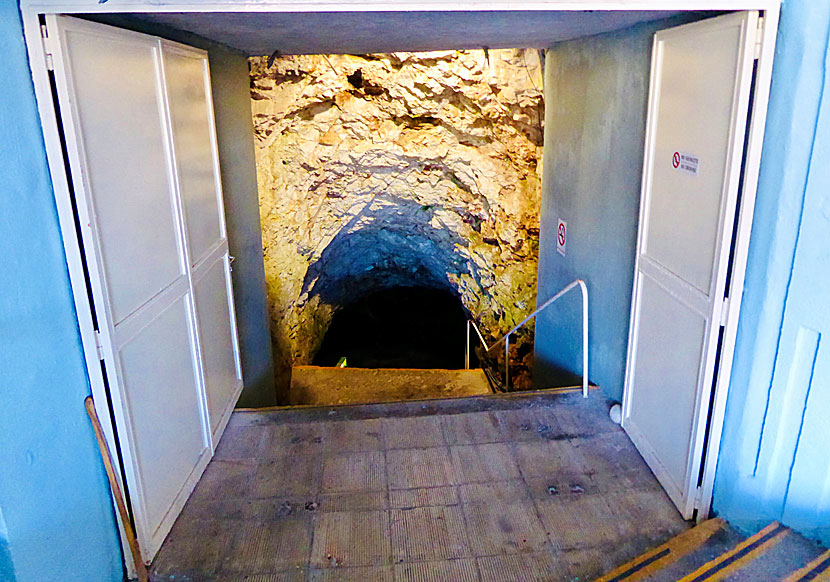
[404,169]
[402,327]
[210,26]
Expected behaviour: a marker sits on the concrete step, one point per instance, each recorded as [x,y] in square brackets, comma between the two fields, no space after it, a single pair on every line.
[714,551]
[320,386]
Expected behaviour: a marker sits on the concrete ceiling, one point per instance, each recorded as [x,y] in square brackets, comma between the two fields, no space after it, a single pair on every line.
[378,32]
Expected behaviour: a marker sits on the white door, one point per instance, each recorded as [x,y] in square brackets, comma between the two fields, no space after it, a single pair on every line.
[142,155]
[700,91]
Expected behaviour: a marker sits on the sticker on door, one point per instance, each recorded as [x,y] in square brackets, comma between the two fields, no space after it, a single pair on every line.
[685,163]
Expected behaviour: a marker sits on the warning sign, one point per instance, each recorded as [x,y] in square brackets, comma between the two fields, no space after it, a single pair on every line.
[561,237]
[685,163]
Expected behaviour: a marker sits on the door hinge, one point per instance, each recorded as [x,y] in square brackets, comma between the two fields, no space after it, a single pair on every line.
[759,38]
[44,35]
[698,497]
[724,311]
[99,347]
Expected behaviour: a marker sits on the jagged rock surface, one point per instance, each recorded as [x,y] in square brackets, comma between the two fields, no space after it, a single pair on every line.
[398,169]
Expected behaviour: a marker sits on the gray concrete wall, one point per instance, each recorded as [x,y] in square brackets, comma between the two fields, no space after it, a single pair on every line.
[596,95]
[596,92]
[235,131]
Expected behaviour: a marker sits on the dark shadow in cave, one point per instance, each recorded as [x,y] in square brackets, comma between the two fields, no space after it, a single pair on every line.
[400,327]
[391,242]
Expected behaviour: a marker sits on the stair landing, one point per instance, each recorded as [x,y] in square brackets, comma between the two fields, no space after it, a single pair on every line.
[321,386]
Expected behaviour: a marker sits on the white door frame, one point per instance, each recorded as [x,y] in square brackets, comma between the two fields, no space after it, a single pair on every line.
[38,60]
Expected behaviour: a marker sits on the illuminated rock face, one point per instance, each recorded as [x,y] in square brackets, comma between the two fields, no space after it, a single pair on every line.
[397,170]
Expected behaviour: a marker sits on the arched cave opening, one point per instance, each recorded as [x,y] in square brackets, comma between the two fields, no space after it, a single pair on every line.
[398,327]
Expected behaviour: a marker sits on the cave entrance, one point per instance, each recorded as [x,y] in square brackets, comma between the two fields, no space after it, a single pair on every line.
[402,327]
[406,342]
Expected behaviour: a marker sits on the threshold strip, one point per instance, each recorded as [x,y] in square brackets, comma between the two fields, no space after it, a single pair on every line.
[661,556]
[816,571]
[733,560]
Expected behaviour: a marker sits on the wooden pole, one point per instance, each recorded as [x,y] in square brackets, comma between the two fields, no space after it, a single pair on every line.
[141,569]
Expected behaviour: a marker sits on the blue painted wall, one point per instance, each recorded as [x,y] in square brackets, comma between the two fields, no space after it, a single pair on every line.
[55,502]
[596,93]
[774,461]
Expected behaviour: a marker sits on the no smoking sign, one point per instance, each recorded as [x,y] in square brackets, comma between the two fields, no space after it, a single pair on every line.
[685,163]
[561,237]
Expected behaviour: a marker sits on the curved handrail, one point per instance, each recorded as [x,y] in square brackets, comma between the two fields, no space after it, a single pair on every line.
[506,338]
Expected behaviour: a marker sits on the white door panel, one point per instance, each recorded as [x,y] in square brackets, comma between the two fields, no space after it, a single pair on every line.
[163,397]
[141,146]
[698,106]
[694,119]
[667,376]
[200,186]
[110,76]
[220,352]
[191,118]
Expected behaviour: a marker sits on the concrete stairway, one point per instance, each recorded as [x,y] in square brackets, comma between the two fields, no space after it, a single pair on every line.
[713,551]
[321,386]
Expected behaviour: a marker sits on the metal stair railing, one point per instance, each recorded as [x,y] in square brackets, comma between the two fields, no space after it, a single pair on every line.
[506,338]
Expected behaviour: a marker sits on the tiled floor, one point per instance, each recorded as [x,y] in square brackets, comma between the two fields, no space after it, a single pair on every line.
[498,489]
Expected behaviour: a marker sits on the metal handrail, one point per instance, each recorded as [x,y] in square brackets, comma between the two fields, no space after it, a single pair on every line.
[506,338]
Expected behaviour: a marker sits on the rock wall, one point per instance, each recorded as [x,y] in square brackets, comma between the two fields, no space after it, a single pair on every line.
[397,169]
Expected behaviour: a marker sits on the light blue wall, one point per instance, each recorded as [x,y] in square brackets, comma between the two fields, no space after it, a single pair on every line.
[55,501]
[596,93]
[774,461]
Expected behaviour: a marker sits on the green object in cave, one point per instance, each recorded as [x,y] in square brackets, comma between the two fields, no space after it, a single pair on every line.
[341,363]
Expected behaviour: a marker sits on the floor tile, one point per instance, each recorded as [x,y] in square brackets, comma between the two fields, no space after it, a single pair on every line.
[428,533]
[413,468]
[471,428]
[460,570]
[347,539]
[267,547]
[606,455]
[531,567]
[546,458]
[493,492]
[422,497]
[589,563]
[504,528]
[194,548]
[579,522]
[561,486]
[224,480]
[528,424]
[294,439]
[360,574]
[353,435]
[293,575]
[574,418]
[412,432]
[354,472]
[532,494]
[482,463]
[240,443]
[353,501]
[289,476]
[646,513]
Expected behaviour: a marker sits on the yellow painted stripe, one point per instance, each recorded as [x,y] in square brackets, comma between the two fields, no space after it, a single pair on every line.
[678,546]
[808,569]
[699,575]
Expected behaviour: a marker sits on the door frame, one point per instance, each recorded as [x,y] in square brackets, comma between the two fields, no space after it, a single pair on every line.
[39,59]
